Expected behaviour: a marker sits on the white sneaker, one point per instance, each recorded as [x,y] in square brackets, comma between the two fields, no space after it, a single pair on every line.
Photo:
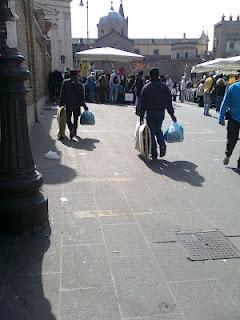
[226,160]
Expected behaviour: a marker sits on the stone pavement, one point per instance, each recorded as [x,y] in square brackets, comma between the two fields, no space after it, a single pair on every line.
[111,252]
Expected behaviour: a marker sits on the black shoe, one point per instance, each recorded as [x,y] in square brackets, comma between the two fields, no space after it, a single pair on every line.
[60,138]
[163,152]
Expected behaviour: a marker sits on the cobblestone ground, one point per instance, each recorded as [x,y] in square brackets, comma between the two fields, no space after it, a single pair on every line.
[111,252]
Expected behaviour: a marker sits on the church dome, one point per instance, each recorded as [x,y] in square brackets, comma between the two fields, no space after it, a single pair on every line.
[114,21]
[112,17]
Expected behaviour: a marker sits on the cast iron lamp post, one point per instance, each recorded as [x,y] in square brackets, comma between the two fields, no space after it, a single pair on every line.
[22,205]
[82,5]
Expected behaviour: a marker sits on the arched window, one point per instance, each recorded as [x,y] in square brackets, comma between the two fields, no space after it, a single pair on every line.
[156,52]
[178,55]
[231,45]
[102,32]
[186,55]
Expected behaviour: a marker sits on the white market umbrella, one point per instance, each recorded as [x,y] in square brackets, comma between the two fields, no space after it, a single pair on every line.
[108,54]
[207,66]
[221,64]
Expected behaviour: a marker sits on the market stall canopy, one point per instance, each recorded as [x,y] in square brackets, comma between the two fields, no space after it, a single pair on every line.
[108,54]
[221,64]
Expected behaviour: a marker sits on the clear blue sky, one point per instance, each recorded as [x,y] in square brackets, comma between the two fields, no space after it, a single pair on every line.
[156,18]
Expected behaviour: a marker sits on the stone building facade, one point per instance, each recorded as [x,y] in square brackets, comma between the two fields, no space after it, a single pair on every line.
[169,54]
[57,16]
[226,41]
[32,44]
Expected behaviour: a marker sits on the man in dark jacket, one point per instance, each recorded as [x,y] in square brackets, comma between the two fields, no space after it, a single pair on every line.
[138,85]
[155,98]
[72,97]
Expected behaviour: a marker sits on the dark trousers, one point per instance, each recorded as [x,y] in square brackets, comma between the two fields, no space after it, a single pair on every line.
[75,113]
[200,101]
[233,129]
[154,121]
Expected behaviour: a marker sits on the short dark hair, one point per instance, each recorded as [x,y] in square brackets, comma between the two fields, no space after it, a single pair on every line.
[140,73]
[73,73]
[154,73]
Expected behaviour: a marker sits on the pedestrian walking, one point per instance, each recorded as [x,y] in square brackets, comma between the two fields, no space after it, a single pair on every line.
[155,98]
[72,97]
[137,88]
[169,82]
[183,88]
[91,87]
[208,87]
[174,92]
[230,109]
[103,88]
[220,91]
[114,84]
[200,93]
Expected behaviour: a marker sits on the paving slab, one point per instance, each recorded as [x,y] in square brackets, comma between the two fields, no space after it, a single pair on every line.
[85,304]
[124,240]
[85,266]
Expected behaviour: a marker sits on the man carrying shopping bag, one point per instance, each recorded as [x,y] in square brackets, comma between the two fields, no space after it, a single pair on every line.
[72,97]
[155,98]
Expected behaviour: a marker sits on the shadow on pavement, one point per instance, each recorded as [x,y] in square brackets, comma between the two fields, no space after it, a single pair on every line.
[22,292]
[83,144]
[184,171]
[236,170]
[53,171]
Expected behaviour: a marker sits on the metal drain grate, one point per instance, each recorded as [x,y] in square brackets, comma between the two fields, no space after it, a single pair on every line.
[209,245]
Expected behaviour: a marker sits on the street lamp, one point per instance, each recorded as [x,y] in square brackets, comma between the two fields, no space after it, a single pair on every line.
[82,5]
[22,205]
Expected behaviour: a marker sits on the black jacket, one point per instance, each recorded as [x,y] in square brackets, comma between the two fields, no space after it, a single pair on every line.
[156,96]
[72,94]
[138,85]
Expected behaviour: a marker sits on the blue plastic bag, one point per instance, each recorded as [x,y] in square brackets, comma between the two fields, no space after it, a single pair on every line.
[87,118]
[175,133]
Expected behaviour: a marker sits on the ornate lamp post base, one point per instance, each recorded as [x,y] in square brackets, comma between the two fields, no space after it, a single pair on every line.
[22,205]
[18,215]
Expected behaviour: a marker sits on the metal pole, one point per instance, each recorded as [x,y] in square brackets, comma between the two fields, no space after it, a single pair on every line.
[22,205]
[87,26]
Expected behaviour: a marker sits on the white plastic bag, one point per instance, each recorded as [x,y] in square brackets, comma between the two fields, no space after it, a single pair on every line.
[51,155]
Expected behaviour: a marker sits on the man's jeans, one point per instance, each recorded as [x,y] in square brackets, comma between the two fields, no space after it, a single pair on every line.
[219,100]
[114,89]
[182,95]
[233,129]
[154,121]
[207,103]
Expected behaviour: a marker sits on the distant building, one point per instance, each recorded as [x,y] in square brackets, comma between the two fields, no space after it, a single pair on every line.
[57,18]
[226,41]
[169,54]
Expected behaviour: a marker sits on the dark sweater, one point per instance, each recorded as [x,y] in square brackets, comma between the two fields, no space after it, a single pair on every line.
[156,96]
[72,94]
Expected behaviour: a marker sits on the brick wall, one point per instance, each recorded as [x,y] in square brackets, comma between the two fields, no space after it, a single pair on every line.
[32,45]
